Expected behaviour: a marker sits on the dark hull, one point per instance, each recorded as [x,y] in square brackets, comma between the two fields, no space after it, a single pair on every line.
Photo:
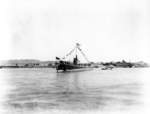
[68,67]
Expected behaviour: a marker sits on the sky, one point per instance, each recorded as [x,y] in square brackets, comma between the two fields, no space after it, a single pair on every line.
[108,30]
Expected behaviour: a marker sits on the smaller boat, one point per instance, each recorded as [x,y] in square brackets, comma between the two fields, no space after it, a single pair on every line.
[108,68]
[63,65]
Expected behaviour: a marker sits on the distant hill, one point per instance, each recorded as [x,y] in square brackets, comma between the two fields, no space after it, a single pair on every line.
[126,64]
[141,64]
[26,62]
[19,61]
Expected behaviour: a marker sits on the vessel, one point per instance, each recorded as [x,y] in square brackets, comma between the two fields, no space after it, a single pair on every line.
[64,65]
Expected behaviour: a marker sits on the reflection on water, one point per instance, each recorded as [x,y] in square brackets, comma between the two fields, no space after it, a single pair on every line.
[90,90]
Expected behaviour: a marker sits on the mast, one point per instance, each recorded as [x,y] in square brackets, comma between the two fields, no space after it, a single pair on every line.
[77,47]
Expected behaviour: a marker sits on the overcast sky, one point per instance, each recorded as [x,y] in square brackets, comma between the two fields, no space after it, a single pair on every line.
[108,30]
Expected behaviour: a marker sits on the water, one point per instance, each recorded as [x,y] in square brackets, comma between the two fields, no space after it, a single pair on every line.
[44,89]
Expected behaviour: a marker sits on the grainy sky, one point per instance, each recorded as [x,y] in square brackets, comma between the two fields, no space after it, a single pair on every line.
[108,30]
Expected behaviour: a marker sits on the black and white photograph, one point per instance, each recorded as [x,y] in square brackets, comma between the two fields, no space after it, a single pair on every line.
[75,57]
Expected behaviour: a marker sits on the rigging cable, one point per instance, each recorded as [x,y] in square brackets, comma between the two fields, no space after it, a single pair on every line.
[83,54]
[75,49]
[69,53]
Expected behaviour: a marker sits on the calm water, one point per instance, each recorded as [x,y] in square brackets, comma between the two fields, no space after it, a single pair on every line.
[44,89]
